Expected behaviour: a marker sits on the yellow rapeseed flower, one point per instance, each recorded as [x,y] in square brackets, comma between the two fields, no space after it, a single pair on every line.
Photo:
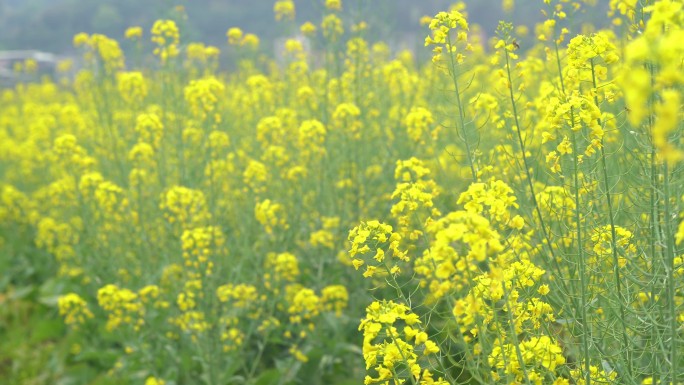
[133,33]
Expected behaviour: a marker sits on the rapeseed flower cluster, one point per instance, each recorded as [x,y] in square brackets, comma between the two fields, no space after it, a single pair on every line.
[507,213]
[132,86]
[443,26]
[166,36]
[392,352]
[74,309]
[101,49]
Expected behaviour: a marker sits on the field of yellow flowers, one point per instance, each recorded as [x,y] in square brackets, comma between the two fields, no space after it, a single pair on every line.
[347,214]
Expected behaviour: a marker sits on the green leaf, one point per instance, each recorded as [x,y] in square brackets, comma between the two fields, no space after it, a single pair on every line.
[47,328]
[50,291]
[22,292]
[268,377]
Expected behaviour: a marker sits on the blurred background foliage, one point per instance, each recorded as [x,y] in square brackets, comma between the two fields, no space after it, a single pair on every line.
[49,25]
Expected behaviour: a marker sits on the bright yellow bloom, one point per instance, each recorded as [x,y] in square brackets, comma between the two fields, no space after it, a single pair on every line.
[154,381]
[271,215]
[333,5]
[251,41]
[284,10]
[332,27]
[308,29]
[132,86]
[133,33]
[234,35]
[74,309]
[166,36]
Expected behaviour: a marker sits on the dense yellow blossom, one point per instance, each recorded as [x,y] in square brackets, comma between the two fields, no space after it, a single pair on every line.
[513,208]
[74,309]
[334,5]
[284,10]
[332,27]
[132,86]
[123,306]
[184,206]
[448,29]
[166,36]
[203,95]
[271,216]
[154,381]
[133,33]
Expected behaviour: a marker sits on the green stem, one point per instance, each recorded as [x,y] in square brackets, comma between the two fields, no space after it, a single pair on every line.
[526,165]
[613,244]
[669,267]
[403,356]
[461,115]
[581,262]
[514,335]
